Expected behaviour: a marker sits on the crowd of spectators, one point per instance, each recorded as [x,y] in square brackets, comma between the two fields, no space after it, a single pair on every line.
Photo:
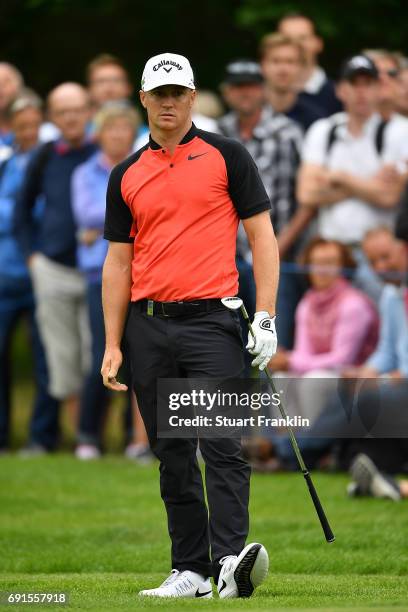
[333,157]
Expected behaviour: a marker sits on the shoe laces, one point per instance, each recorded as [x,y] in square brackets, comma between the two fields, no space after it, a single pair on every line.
[181,583]
[227,562]
[173,575]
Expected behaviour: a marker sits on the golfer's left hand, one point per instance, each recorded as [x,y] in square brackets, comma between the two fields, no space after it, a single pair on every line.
[266,341]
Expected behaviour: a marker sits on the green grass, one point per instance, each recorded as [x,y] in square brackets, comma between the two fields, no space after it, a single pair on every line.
[22,401]
[98,531]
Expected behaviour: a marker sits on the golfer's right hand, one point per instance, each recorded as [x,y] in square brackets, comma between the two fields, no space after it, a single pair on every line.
[112,361]
[266,342]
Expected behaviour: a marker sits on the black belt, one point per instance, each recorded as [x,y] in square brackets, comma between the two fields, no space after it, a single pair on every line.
[177,309]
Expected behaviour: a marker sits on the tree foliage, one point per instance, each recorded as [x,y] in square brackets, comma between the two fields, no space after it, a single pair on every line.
[52,40]
[347,27]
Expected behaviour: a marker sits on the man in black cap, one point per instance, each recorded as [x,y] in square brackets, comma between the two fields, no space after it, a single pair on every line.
[243,91]
[268,136]
[354,165]
[274,141]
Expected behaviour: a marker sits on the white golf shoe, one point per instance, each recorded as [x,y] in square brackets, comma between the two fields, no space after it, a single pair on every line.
[240,575]
[181,584]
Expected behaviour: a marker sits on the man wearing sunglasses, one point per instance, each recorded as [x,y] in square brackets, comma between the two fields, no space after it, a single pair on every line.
[388,67]
[354,166]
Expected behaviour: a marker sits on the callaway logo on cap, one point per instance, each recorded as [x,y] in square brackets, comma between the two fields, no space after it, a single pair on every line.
[167,69]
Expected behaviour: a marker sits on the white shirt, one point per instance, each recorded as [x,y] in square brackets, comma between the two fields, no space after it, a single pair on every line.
[316,81]
[48,132]
[349,220]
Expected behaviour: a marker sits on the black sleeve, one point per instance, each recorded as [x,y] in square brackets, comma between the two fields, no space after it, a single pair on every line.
[401,227]
[23,222]
[118,218]
[244,183]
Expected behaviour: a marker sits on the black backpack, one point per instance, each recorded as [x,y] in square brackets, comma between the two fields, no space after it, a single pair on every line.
[379,136]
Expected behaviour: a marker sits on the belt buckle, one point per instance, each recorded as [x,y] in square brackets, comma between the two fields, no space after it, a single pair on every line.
[150,308]
[164,304]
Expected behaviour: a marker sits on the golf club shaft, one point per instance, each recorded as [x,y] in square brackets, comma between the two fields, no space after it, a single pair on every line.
[329,535]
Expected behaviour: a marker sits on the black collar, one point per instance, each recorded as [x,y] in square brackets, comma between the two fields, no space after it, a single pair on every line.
[192,132]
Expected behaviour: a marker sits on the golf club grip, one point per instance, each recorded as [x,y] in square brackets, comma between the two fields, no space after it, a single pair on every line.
[320,512]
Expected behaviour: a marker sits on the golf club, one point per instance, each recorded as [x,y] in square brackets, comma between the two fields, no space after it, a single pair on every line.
[235,303]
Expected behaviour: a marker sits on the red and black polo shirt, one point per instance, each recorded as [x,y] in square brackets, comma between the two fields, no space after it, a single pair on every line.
[182,212]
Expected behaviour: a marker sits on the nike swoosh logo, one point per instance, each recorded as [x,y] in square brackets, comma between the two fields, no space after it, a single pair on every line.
[224,584]
[190,157]
[198,594]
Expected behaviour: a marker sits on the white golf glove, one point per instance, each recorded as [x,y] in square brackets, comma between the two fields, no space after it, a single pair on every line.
[266,341]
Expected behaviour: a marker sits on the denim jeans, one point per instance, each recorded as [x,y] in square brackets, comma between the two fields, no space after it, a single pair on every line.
[94,397]
[16,301]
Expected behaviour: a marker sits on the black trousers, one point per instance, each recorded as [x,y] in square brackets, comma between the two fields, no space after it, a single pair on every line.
[205,345]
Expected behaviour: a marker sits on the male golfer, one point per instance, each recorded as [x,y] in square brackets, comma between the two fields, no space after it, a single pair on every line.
[172,215]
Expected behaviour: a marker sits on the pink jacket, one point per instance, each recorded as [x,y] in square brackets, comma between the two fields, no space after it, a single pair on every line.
[335,328]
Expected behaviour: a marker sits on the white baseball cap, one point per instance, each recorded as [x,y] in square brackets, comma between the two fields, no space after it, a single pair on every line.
[167,69]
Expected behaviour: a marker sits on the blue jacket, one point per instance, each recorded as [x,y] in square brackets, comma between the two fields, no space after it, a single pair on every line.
[49,175]
[392,350]
[12,173]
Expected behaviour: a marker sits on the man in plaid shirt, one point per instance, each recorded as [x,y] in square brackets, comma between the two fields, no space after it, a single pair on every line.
[274,141]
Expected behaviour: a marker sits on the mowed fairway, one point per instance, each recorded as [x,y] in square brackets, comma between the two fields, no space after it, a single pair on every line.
[98,532]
